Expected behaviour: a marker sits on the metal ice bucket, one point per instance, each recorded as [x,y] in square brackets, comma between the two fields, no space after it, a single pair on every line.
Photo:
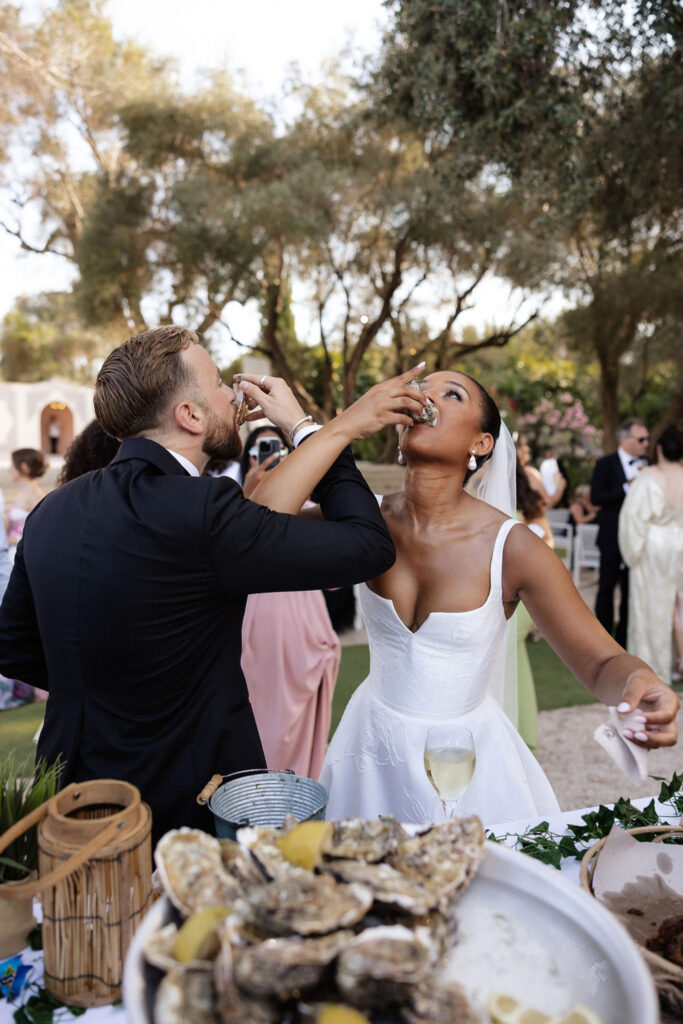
[261,797]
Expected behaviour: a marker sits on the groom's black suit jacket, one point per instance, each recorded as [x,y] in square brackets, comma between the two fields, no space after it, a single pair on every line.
[126,603]
[607,491]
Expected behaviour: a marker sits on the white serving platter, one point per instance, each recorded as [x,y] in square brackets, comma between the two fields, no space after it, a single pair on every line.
[523,929]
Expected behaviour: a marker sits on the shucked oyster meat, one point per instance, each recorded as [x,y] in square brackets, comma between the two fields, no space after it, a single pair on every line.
[240,402]
[380,965]
[185,997]
[368,841]
[445,858]
[307,904]
[260,843]
[284,968]
[191,869]
[428,413]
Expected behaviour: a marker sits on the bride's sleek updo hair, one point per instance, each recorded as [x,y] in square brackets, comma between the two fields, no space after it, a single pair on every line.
[489,424]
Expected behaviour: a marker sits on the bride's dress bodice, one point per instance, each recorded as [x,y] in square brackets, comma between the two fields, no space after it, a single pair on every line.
[447,670]
[444,668]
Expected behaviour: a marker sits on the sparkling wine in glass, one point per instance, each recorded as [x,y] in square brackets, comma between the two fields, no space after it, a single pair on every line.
[450,761]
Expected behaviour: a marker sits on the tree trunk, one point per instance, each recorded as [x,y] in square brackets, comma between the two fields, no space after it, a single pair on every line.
[609,400]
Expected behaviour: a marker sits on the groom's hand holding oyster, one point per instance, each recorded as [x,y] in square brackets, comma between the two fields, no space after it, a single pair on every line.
[285,488]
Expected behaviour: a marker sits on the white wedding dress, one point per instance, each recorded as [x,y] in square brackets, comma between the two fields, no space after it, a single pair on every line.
[440,673]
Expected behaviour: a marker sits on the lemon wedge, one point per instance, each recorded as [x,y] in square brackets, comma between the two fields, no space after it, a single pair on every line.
[505,1009]
[336,1014]
[197,938]
[581,1014]
[304,844]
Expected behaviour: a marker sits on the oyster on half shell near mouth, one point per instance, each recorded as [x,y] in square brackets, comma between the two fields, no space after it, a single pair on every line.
[428,413]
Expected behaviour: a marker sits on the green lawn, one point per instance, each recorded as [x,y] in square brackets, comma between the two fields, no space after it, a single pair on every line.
[556,687]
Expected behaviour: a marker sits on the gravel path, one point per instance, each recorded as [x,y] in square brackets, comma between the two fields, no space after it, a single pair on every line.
[580,771]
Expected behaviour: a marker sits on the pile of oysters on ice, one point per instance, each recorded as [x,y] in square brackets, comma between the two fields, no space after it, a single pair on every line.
[318,922]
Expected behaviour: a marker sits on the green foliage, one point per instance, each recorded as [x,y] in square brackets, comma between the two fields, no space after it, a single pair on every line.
[22,789]
[43,337]
[550,848]
[43,1008]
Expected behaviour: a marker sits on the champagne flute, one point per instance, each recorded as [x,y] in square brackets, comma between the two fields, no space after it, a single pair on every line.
[450,761]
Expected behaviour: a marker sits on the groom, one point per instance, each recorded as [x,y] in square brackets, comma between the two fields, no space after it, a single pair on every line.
[129,586]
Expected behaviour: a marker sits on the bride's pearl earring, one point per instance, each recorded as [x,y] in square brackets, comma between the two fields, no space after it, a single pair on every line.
[401,460]
[472,464]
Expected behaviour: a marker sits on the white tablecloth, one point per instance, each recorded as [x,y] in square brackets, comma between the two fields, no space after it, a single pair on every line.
[117,1015]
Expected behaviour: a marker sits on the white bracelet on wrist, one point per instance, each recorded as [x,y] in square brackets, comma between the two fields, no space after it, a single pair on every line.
[304,419]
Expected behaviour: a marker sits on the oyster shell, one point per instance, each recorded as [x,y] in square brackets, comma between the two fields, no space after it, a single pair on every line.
[239,865]
[191,869]
[439,1004]
[388,885]
[429,411]
[369,841]
[185,997]
[307,904]
[379,966]
[240,402]
[284,968]
[234,1007]
[445,858]
[158,950]
[260,843]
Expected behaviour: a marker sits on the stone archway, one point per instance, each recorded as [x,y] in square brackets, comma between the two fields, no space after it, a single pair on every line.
[56,428]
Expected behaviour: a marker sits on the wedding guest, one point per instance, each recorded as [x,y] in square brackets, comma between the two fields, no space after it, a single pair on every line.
[612,477]
[437,629]
[290,654]
[651,541]
[129,585]
[530,511]
[27,467]
[559,482]
[91,449]
[582,509]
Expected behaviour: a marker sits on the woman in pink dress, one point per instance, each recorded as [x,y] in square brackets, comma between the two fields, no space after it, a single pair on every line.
[290,658]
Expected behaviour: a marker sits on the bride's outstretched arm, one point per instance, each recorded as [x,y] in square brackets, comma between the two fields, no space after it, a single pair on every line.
[534,574]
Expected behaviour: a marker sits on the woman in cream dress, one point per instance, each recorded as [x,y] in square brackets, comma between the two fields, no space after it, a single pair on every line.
[651,541]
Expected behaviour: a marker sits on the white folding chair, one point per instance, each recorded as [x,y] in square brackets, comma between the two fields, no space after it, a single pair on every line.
[563,537]
[586,550]
[557,515]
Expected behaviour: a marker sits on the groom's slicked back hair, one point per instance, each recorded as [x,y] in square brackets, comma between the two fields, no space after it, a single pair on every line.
[139,378]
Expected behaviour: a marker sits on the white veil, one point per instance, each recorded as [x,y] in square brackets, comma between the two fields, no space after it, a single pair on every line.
[496,484]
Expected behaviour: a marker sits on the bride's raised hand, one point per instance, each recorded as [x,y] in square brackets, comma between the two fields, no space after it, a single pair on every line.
[384,405]
[656,704]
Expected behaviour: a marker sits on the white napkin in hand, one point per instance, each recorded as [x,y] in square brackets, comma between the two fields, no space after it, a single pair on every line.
[631,758]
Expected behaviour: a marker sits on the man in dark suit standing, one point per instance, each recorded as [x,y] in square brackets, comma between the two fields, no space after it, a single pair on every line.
[129,586]
[611,478]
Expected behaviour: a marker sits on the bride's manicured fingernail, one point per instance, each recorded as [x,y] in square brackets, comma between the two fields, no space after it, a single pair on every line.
[624,707]
[628,733]
[642,736]
[641,718]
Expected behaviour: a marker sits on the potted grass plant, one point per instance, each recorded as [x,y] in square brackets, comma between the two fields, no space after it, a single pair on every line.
[23,787]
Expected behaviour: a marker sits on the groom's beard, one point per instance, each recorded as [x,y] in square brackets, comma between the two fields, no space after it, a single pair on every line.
[222,440]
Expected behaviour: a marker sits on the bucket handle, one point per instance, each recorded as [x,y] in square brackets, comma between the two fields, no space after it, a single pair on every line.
[27,890]
[215,780]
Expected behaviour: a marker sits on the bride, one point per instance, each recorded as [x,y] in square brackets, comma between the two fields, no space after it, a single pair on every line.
[436,626]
